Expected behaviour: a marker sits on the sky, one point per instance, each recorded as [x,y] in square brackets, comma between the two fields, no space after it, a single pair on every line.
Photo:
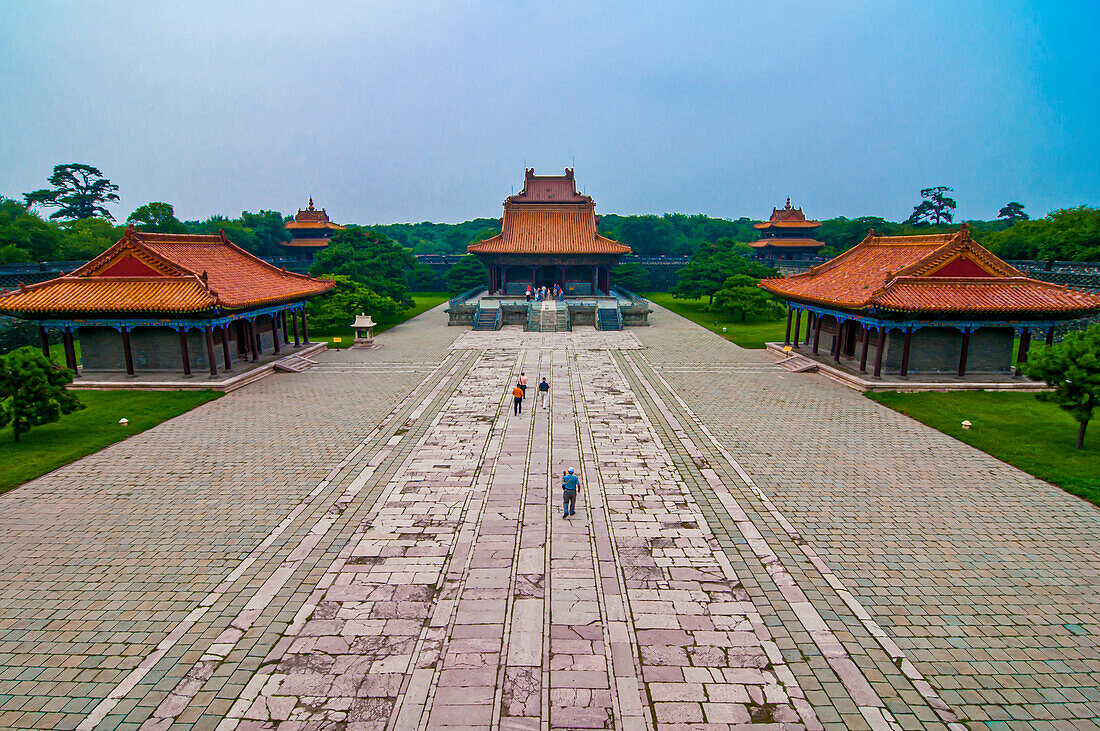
[413,111]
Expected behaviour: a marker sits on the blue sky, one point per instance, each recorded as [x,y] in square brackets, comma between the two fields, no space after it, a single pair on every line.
[410,111]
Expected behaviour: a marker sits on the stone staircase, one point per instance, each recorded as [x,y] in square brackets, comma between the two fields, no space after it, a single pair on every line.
[487,317]
[608,317]
[546,317]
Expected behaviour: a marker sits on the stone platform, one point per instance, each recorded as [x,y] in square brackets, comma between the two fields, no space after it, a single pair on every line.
[378,543]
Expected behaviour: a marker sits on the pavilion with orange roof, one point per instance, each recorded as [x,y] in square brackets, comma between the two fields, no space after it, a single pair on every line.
[787,234]
[933,303]
[548,236]
[167,302]
[310,231]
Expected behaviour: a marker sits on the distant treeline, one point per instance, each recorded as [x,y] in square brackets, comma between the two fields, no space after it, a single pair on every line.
[1071,234]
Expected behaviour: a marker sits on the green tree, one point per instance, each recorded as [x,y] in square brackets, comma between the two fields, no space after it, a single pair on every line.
[24,236]
[936,207]
[32,391]
[467,273]
[631,276]
[741,294]
[711,265]
[422,278]
[367,257]
[79,191]
[157,216]
[86,238]
[1072,369]
[1070,234]
[1013,212]
[335,310]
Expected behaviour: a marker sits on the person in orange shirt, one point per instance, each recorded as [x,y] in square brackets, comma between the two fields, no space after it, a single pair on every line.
[517,401]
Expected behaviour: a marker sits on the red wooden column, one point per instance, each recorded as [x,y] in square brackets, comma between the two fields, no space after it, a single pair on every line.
[880,331]
[294,318]
[797,322]
[184,355]
[1021,355]
[962,352]
[817,332]
[70,350]
[125,350]
[209,332]
[863,349]
[225,348]
[44,341]
[810,317]
[250,334]
[787,337]
[275,333]
[1050,336]
[259,349]
[286,333]
[905,352]
[838,341]
[305,328]
[503,288]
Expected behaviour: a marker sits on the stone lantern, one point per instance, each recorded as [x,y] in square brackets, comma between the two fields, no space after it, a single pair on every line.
[364,332]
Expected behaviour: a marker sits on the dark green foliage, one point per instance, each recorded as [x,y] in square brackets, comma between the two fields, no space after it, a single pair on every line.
[78,191]
[369,258]
[1072,369]
[157,216]
[32,391]
[673,234]
[712,264]
[86,238]
[335,310]
[1013,212]
[936,207]
[466,274]
[1069,234]
[741,295]
[257,233]
[440,238]
[630,276]
[421,278]
[24,236]
[16,333]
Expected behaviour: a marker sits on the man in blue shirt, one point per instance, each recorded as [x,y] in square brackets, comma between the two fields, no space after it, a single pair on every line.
[569,485]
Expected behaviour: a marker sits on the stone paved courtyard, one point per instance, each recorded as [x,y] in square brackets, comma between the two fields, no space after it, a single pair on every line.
[377,543]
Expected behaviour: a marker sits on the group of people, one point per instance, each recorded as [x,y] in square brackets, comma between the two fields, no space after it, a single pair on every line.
[538,294]
[570,483]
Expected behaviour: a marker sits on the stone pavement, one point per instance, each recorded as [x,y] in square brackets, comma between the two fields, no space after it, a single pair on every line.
[378,543]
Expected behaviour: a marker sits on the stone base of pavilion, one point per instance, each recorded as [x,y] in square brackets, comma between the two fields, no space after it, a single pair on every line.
[244,372]
[847,373]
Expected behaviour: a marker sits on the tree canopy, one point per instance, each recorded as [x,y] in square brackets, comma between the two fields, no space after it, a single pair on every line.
[712,264]
[32,391]
[741,295]
[1070,234]
[77,191]
[936,207]
[157,216]
[631,276]
[1013,212]
[468,273]
[369,258]
[1072,369]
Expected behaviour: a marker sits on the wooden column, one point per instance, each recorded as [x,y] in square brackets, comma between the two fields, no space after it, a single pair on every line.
[880,331]
[70,349]
[503,289]
[1050,336]
[44,341]
[810,317]
[259,349]
[125,350]
[225,349]
[962,352]
[294,318]
[797,322]
[787,337]
[183,352]
[210,357]
[250,335]
[1021,355]
[838,344]
[286,333]
[817,332]
[275,333]
[305,328]
[863,350]
[905,352]
[593,278]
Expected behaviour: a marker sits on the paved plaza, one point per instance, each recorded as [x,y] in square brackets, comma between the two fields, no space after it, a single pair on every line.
[378,543]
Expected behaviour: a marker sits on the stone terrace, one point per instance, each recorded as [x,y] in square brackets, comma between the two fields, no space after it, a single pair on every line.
[377,543]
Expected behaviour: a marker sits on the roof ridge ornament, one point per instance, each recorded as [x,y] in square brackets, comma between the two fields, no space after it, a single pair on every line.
[788,203]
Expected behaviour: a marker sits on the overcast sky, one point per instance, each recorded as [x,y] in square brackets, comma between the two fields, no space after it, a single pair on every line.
[411,111]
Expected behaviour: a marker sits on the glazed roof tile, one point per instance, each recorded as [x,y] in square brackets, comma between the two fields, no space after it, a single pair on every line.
[899,273]
[196,273]
[781,241]
[787,217]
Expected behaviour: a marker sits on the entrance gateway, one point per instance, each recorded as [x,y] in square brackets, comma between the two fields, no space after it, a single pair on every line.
[549,239]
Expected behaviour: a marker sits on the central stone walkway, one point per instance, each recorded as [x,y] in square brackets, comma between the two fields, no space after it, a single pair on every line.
[378,543]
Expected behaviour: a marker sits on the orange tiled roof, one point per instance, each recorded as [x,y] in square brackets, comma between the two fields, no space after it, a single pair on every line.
[549,189]
[549,226]
[165,273]
[317,243]
[905,273]
[312,218]
[780,241]
[787,217]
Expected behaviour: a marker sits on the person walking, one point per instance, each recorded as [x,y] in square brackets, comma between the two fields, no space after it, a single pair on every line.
[517,401]
[544,389]
[570,483]
[522,382]
[528,292]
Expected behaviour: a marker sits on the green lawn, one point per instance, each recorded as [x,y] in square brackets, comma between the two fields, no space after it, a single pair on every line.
[423,302]
[1017,428]
[751,334]
[48,447]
